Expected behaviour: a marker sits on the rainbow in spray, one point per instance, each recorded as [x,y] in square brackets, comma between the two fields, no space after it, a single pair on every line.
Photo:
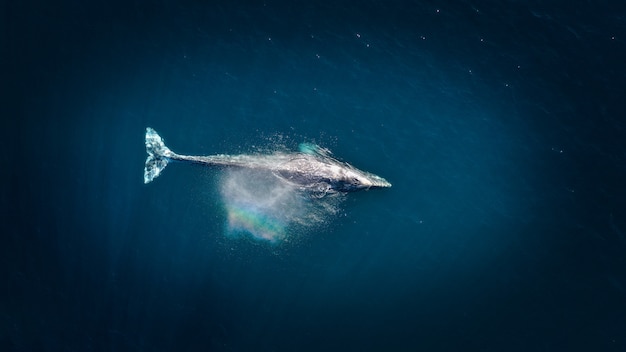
[260,204]
[256,222]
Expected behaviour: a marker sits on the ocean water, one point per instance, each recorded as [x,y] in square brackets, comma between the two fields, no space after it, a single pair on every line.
[499,124]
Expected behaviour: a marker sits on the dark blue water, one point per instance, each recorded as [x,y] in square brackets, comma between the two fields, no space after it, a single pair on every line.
[500,125]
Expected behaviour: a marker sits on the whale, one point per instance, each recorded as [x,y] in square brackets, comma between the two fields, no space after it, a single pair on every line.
[312,168]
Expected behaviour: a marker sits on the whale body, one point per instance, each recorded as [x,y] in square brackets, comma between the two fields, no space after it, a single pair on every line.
[312,168]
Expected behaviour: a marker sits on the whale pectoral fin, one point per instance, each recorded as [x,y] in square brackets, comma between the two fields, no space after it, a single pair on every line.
[314,149]
[320,190]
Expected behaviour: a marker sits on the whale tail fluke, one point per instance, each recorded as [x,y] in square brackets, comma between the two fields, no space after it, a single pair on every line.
[158,155]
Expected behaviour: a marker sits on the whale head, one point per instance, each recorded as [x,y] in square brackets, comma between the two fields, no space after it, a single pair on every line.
[356,180]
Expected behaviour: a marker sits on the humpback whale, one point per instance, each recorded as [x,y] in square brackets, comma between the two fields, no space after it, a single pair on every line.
[311,169]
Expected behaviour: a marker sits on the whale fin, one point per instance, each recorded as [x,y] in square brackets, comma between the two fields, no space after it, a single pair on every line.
[158,155]
[313,149]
